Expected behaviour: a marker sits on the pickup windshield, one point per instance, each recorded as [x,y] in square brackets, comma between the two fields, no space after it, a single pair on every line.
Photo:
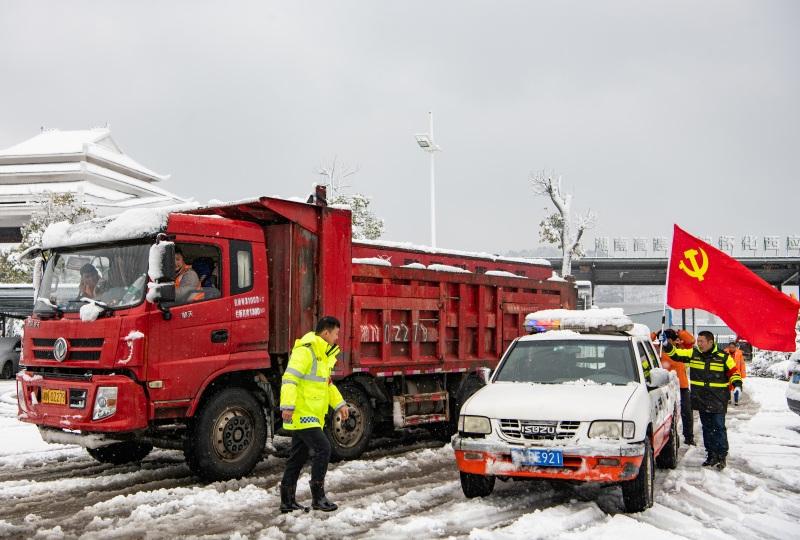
[565,361]
[112,276]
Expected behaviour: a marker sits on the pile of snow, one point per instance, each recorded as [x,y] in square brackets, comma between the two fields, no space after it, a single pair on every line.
[427,249]
[447,268]
[603,320]
[134,223]
[502,273]
[91,310]
[772,364]
[555,277]
[375,261]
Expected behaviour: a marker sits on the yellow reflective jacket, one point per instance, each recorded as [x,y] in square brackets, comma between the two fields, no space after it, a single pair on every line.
[306,387]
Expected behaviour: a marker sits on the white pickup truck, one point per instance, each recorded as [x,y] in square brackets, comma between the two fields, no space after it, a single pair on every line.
[582,399]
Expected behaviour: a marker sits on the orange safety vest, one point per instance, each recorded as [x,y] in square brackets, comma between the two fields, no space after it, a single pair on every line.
[194,297]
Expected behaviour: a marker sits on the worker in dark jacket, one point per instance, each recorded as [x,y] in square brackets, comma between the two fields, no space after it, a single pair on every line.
[710,372]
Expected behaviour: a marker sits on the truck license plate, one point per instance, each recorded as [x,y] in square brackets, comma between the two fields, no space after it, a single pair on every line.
[537,457]
[54,397]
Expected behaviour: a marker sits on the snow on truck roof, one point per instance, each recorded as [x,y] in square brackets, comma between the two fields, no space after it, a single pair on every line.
[408,246]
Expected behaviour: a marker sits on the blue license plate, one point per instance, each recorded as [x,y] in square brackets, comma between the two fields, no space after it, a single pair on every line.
[537,457]
[796,378]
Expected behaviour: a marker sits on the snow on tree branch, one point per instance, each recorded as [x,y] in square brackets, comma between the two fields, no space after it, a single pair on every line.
[366,225]
[557,228]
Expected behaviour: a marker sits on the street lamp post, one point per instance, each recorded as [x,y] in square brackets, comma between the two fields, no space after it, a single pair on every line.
[428,144]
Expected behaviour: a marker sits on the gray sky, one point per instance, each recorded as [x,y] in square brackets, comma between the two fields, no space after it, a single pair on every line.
[653,112]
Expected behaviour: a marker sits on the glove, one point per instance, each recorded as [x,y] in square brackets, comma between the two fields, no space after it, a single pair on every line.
[737,393]
[663,338]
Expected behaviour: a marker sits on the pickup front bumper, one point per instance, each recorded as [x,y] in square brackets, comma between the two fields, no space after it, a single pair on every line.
[583,463]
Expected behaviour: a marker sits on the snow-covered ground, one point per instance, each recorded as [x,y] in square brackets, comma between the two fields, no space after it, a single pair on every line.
[402,489]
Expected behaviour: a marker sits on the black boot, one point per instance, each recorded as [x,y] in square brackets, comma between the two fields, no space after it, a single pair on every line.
[689,441]
[721,463]
[288,502]
[318,499]
[711,460]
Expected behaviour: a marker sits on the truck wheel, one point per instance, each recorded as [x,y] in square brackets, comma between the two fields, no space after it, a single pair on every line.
[638,493]
[476,485]
[227,436]
[349,439]
[8,371]
[668,458]
[121,452]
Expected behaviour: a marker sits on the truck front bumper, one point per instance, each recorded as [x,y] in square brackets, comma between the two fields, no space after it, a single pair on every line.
[76,411]
[582,463]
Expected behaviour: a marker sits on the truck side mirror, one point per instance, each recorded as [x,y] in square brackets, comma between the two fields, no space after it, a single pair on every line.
[161,269]
[485,375]
[161,264]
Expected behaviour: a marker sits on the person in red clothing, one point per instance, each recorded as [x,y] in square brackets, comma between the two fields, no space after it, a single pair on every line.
[737,355]
[683,340]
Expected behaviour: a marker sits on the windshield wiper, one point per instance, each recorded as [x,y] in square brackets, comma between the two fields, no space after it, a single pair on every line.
[46,301]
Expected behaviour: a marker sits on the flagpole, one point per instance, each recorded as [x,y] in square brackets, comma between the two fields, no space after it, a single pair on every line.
[666,288]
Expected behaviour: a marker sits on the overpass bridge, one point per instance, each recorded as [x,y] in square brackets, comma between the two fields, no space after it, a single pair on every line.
[778,271]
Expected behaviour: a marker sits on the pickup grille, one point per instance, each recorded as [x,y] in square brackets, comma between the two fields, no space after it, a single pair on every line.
[538,430]
[79,348]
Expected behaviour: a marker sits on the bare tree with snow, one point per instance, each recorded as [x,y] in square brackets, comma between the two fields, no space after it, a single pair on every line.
[366,225]
[559,227]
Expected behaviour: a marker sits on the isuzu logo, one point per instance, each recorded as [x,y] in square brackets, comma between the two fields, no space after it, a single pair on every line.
[539,430]
[60,349]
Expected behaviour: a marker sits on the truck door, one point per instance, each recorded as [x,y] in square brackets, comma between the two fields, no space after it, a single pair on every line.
[195,342]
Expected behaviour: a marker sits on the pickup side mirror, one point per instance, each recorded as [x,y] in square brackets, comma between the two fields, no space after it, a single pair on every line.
[659,377]
[485,375]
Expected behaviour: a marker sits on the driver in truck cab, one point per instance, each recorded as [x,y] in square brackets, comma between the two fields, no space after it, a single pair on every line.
[90,278]
[187,284]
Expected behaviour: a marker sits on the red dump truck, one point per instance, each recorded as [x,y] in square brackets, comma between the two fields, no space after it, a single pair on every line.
[116,360]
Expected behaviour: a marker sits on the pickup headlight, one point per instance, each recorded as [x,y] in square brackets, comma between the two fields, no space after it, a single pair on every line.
[474,424]
[105,402]
[612,429]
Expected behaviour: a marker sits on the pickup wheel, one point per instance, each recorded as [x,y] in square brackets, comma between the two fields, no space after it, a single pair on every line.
[350,438]
[121,452]
[638,493]
[227,436]
[476,485]
[8,370]
[668,458]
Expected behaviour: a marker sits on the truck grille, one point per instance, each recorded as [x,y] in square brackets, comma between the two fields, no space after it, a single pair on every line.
[79,348]
[539,430]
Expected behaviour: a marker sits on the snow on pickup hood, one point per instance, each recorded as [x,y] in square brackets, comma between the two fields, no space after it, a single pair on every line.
[526,401]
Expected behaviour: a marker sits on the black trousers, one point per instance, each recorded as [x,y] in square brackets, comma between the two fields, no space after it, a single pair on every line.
[715,435]
[687,415]
[303,441]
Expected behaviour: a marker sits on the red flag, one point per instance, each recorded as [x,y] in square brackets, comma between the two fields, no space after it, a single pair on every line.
[701,276]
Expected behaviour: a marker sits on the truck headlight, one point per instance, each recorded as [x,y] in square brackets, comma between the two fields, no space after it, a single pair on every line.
[105,402]
[612,429]
[474,424]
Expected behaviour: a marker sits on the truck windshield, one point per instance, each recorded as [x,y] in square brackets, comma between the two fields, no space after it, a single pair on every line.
[565,361]
[112,276]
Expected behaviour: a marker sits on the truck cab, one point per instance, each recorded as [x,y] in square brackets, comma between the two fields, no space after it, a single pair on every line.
[581,399]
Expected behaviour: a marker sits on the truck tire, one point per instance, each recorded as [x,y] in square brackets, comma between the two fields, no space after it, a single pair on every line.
[349,439]
[668,458]
[476,485]
[638,493]
[8,370]
[121,452]
[227,436]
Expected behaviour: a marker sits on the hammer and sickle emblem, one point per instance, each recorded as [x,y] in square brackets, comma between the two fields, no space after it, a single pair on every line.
[697,270]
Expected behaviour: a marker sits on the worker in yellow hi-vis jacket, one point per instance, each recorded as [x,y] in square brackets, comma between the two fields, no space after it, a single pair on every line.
[306,395]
